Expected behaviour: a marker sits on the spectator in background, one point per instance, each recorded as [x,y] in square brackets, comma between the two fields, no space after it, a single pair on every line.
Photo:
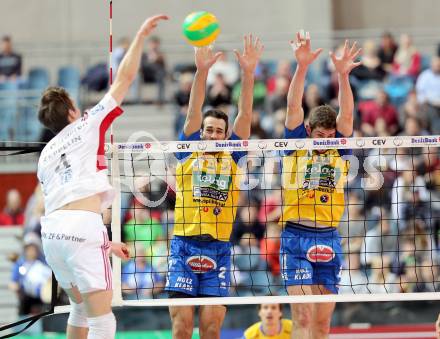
[284,70]
[227,68]
[387,50]
[271,324]
[10,62]
[412,109]
[181,100]
[246,221]
[312,99]
[380,243]
[380,108]
[12,214]
[270,248]
[407,60]
[413,127]
[278,100]
[31,278]
[371,67]
[428,94]
[219,93]
[154,67]
[34,211]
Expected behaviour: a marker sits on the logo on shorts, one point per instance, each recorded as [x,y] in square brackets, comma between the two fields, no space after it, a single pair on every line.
[324,198]
[217,210]
[320,253]
[201,264]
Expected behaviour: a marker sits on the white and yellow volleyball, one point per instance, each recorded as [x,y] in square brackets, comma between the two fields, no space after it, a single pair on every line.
[200,28]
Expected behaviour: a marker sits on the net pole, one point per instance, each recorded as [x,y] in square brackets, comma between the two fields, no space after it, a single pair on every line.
[116,183]
[116,224]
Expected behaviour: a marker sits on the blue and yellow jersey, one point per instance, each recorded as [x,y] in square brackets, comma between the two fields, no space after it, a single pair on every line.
[256,332]
[207,191]
[313,184]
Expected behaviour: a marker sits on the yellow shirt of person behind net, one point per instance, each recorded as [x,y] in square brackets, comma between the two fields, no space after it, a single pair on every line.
[207,191]
[255,331]
[313,187]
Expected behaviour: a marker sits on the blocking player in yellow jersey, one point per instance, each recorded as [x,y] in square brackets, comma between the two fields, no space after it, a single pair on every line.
[206,198]
[313,193]
[271,326]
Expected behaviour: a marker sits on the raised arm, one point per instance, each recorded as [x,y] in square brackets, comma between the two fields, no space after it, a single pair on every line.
[304,57]
[129,66]
[204,59]
[343,66]
[248,61]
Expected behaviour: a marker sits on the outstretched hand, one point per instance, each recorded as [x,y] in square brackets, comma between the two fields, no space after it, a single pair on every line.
[346,62]
[302,49]
[205,57]
[252,50]
[151,23]
[120,250]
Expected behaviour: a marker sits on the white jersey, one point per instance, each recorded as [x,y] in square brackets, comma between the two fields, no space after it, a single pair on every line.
[72,165]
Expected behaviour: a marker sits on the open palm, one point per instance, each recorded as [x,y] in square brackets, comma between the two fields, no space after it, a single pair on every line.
[346,62]
[205,57]
[303,51]
[252,50]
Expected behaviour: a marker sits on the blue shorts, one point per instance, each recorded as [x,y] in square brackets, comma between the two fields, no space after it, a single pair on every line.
[199,268]
[310,257]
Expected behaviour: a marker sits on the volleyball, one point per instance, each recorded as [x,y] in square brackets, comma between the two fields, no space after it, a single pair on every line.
[201,28]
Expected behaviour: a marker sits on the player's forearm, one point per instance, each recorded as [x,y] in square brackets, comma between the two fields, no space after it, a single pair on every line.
[296,88]
[344,121]
[196,100]
[129,66]
[246,101]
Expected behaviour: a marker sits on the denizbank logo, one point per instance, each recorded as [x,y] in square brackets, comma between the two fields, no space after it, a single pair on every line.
[326,143]
[230,144]
[424,140]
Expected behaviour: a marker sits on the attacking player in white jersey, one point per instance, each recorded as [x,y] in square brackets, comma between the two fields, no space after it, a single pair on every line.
[73,174]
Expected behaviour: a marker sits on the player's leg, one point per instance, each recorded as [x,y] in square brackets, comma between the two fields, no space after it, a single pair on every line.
[181,283]
[322,314]
[297,275]
[214,283]
[182,319]
[301,313]
[326,278]
[101,320]
[211,321]
[77,325]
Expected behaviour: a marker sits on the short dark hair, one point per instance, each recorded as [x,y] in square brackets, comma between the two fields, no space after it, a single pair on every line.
[279,305]
[54,109]
[218,114]
[322,116]
[6,38]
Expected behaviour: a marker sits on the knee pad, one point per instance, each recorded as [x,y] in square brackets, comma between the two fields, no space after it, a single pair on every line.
[102,327]
[77,316]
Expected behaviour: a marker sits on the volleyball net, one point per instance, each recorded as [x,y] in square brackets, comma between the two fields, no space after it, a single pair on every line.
[388,218]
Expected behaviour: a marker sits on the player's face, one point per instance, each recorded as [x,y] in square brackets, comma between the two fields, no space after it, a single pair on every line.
[270,314]
[320,132]
[214,129]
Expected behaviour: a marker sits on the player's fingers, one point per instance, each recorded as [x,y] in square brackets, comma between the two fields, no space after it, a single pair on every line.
[353,48]
[356,54]
[307,39]
[160,17]
[346,47]
[316,53]
[217,56]
[332,56]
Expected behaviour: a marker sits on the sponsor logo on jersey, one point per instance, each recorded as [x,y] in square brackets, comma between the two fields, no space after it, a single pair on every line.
[217,210]
[98,108]
[201,264]
[324,198]
[320,253]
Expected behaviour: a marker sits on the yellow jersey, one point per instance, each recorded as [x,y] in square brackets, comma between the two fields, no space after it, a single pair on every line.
[207,192]
[255,331]
[313,187]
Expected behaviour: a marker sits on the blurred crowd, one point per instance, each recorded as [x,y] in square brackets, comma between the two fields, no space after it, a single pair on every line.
[390,235]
